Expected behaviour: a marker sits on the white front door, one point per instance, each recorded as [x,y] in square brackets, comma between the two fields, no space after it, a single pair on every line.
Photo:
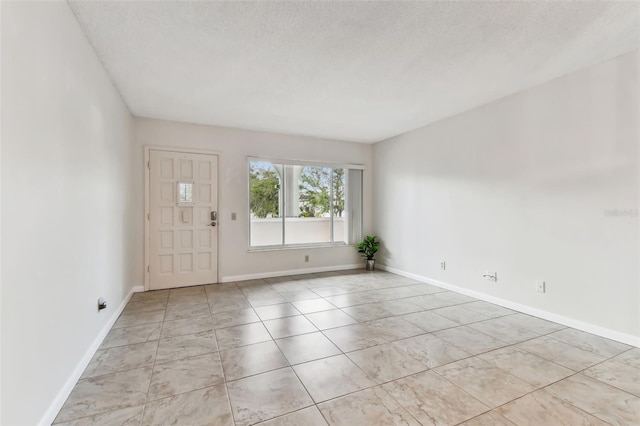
[183,206]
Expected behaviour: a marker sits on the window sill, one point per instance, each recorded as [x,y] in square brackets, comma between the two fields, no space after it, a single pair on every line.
[297,247]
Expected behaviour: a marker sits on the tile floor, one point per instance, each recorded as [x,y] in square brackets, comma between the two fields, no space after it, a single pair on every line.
[348,348]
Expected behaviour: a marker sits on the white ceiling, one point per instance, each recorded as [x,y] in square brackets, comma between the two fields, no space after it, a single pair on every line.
[357,71]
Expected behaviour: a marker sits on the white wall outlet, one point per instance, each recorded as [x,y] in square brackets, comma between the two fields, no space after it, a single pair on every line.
[541,286]
[491,276]
[443,265]
[306,258]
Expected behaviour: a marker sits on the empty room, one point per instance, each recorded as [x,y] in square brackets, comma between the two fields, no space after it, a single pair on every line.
[319,213]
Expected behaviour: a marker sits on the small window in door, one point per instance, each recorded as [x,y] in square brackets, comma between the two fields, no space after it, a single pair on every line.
[185,193]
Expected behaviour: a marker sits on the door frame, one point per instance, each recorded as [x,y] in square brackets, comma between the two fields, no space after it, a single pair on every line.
[147,202]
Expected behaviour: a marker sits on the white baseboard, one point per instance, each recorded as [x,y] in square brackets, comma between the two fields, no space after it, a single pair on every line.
[290,272]
[58,402]
[628,339]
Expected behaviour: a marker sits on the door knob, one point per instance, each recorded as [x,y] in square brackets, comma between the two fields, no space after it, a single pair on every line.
[213,224]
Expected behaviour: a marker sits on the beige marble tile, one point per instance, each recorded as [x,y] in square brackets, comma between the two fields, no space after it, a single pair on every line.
[252,359]
[503,330]
[231,318]
[313,305]
[526,366]
[267,395]
[150,296]
[280,310]
[186,346]
[490,385]
[429,321]
[488,309]
[131,335]
[241,335]
[152,305]
[534,324]
[631,357]
[178,312]
[184,375]
[434,401]
[265,300]
[428,288]
[491,418]
[227,303]
[440,300]
[290,326]
[617,374]
[409,291]
[196,290]
[395,328]
[124,417]
[330,319]
[209,406]
[378,310]
[186,326]
[130,319]
[599,399]
[221,288]
[368,407]
[356,336]
[101,394]
[430,350]
[193,297]
[309,416]
[332,377]
[469,340]
[561,353]
[368,311]
[297,295]
[590,342]
[121,358]
[330,291]
[541,408]
[386,362]
[459,314]
[351,299]
[307,347]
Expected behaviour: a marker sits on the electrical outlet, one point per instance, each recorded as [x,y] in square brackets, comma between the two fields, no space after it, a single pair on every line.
[233,216]
[491,276]
[541,287]
[306,258]
[443,265]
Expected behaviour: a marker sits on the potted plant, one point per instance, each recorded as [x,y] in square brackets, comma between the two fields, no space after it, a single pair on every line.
[368,248]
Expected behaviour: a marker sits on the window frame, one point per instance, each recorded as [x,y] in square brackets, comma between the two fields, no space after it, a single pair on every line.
[302,163]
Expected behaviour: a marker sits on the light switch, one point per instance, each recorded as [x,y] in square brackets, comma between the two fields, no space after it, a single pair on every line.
[233,216]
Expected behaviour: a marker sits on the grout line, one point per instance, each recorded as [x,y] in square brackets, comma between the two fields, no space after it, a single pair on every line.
[268,286]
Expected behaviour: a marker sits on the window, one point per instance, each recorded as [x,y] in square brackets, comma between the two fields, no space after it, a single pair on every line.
[300,204]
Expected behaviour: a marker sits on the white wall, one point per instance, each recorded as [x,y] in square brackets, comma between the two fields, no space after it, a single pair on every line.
[520,186]
[66,205]
[235,146]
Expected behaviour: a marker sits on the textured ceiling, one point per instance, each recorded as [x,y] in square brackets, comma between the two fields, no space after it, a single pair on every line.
[358,71]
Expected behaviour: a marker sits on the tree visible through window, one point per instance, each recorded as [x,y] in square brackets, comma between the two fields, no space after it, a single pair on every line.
[265,188]
[297,204]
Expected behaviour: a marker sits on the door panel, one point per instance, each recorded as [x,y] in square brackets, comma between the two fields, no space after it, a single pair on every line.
[183,243]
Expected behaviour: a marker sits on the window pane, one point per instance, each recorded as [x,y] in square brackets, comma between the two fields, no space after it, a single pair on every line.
[185,192]
[265,203]
[307,201]
[340,231]
[354,205]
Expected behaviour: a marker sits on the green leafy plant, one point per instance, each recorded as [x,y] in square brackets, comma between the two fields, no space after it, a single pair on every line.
[368,247]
